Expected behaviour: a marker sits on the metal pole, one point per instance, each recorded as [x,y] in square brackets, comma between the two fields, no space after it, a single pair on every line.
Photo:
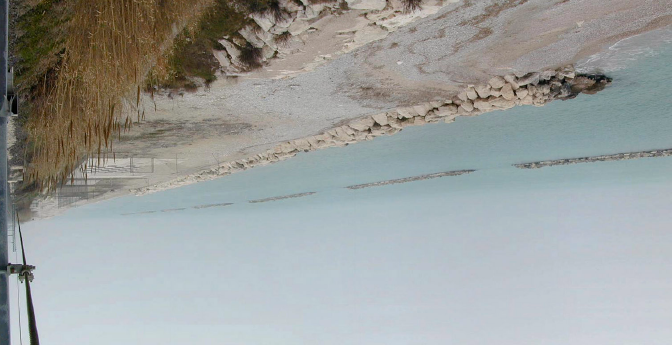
[4,193]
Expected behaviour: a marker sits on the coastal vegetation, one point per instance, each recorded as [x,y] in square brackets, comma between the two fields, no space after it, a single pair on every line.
[81,67]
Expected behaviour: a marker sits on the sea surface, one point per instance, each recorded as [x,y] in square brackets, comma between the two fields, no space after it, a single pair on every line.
[562,255]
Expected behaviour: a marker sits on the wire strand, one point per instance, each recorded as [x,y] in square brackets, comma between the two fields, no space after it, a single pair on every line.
[18,289]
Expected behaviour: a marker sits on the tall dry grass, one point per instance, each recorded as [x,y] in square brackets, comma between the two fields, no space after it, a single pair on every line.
[94,93]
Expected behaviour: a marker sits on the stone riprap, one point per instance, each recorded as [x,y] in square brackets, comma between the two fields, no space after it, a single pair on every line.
[500,93]
[603,158]
[411,179]
[293,196]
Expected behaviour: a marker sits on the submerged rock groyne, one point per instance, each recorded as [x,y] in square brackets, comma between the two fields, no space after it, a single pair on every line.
[500,93]
[276,198]
[593,159]
[411,179]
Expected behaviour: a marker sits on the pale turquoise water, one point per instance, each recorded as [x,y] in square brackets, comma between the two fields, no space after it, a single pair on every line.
[634,114]
[565,255]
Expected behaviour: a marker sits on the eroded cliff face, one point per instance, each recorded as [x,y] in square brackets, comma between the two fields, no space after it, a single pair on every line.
[500,93]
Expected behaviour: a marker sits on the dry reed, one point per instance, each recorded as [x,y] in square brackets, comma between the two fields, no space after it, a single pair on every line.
[95,93]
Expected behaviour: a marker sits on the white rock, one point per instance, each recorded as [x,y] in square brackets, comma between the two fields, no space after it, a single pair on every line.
[378,132]
[268,38]
[482,105]
[507,92]
[394,122]
[298,27]
[468,106]
[435,104]
[447,110]
[223,58]
[567,72]
[317,8]
[363,124]
[250,36]
[422,109]
[511,79]
[419,121]
[527,100]
[381,119]
[290,5]
[521,93]
[497,82]
[233,51]
[407,113]
[349,130]
[502,103]
[341,134]
[313,141]
[462,96]
[286,148]
[530,78]
[375,5]
[471,93]
[263,21]
[361,136]
[309,13]
[267,52]
[286,22]
[483,91]
[547,74]
[302,144]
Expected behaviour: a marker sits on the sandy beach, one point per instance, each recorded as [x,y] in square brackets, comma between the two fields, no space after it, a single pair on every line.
[357,64]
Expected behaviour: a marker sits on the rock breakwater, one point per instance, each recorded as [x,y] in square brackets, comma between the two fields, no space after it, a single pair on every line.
[593,159]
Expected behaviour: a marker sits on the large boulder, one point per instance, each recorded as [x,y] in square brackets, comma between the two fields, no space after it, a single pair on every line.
[511,79]
[407,113]
[363,124]
[497,82]
[250,36]
[468,106]
[501,103]
[471,93]
[482,105]
[507,92]
[521,93]
[530,78]
[381,119]
[446,110]
[263,21]
[483,91]
[422,109]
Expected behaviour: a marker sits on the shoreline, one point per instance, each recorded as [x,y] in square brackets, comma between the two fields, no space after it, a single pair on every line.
[239,120]
[500,93]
